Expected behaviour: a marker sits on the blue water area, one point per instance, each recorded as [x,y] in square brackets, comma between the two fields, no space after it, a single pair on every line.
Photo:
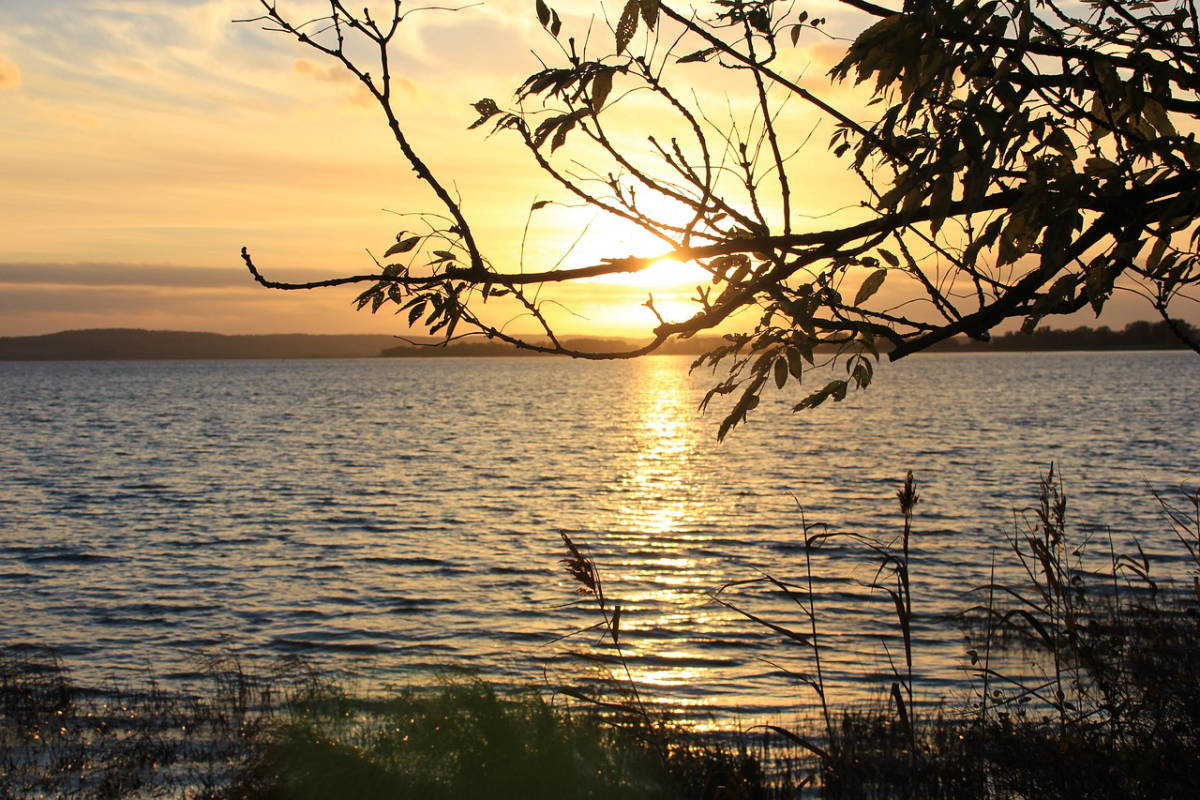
[383,518]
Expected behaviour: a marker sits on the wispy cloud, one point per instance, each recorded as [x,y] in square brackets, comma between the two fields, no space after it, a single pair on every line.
[10,75]
[99,274]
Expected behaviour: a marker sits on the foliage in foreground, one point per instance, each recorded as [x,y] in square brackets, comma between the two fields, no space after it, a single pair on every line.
[465,740]
[1084,674]
[293,734]
[58,739]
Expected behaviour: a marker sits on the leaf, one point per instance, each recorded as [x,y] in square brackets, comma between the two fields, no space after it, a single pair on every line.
[889,257]
[601,86]
[539,205]
[870,286]
[795,362]
[795,32]
[555,24]
[1157,252]
[627,25]
[760,19]
[649,12]
[800,740]
[560,136]
[415,313]
[834,389]
[402,246]
[487,109]
[543,12]
[699,55]
[546,126]
[940,200]
[745,404]
[1101,168]
[781,372]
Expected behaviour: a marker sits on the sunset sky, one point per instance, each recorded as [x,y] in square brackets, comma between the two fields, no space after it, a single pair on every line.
[146,142]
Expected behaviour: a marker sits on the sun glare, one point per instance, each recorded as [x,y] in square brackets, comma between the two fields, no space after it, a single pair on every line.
[617,302]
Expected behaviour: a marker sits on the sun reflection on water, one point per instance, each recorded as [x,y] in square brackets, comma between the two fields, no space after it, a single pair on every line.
[664,443]
[661,524]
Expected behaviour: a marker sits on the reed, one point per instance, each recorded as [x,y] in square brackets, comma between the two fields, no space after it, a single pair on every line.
[1101,702]
[58,739]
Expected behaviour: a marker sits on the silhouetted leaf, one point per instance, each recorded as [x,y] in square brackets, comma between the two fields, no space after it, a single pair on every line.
[870,286]
[487,109]
[1101,167]
[649,10]
[699,55]
[800,740]
[403,246]
[627,25]
[834,389]
[415,313]
[560,135]
[601,86]
[940,200]
[760,19]
[543,12]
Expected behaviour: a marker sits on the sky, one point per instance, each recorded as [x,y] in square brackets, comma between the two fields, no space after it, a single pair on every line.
[146,142]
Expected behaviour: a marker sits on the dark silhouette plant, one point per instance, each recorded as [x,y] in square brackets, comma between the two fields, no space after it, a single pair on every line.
[1015,159]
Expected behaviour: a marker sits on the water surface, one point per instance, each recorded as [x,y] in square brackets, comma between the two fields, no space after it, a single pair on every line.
[387,517]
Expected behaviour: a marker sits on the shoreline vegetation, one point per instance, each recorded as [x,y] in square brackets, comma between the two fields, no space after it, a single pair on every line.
[1082,673]
[131,344]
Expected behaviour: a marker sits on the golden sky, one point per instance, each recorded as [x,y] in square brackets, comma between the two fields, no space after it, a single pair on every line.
[147,141]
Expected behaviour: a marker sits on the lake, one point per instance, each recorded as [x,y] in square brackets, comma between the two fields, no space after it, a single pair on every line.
[388,517]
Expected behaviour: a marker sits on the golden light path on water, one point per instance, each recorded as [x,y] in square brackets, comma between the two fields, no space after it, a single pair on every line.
[679,530]
[659,528]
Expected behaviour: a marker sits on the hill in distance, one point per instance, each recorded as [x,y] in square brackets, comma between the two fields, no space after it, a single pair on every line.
[125,344]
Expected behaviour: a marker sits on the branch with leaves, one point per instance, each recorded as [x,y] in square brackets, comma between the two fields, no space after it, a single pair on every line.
[1016,160]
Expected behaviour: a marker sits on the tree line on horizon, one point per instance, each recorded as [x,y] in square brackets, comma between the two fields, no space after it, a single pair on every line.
[127,344]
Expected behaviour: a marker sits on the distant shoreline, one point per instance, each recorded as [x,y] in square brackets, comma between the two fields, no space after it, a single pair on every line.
[135,344]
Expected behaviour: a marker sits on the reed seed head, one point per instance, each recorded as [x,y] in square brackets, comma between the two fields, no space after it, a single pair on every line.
[908,495]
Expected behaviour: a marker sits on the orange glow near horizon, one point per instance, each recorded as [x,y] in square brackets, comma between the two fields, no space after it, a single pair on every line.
[148,142]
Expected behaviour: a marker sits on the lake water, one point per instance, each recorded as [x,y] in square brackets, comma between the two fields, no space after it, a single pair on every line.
[383,518]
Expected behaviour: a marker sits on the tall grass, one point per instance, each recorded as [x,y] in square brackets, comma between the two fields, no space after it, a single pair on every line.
[465,740]
[1087,682]
[58,739]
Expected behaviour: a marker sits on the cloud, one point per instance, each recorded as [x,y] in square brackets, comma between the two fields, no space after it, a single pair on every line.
[34,311]
[93,275]
[334,73]
[10,75]
[37,298]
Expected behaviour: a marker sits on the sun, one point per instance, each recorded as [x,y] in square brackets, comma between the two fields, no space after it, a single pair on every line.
[617,303]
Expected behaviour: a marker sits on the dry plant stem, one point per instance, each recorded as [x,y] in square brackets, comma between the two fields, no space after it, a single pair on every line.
[987,643]
[809,543]
[583,569]
[908,498]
